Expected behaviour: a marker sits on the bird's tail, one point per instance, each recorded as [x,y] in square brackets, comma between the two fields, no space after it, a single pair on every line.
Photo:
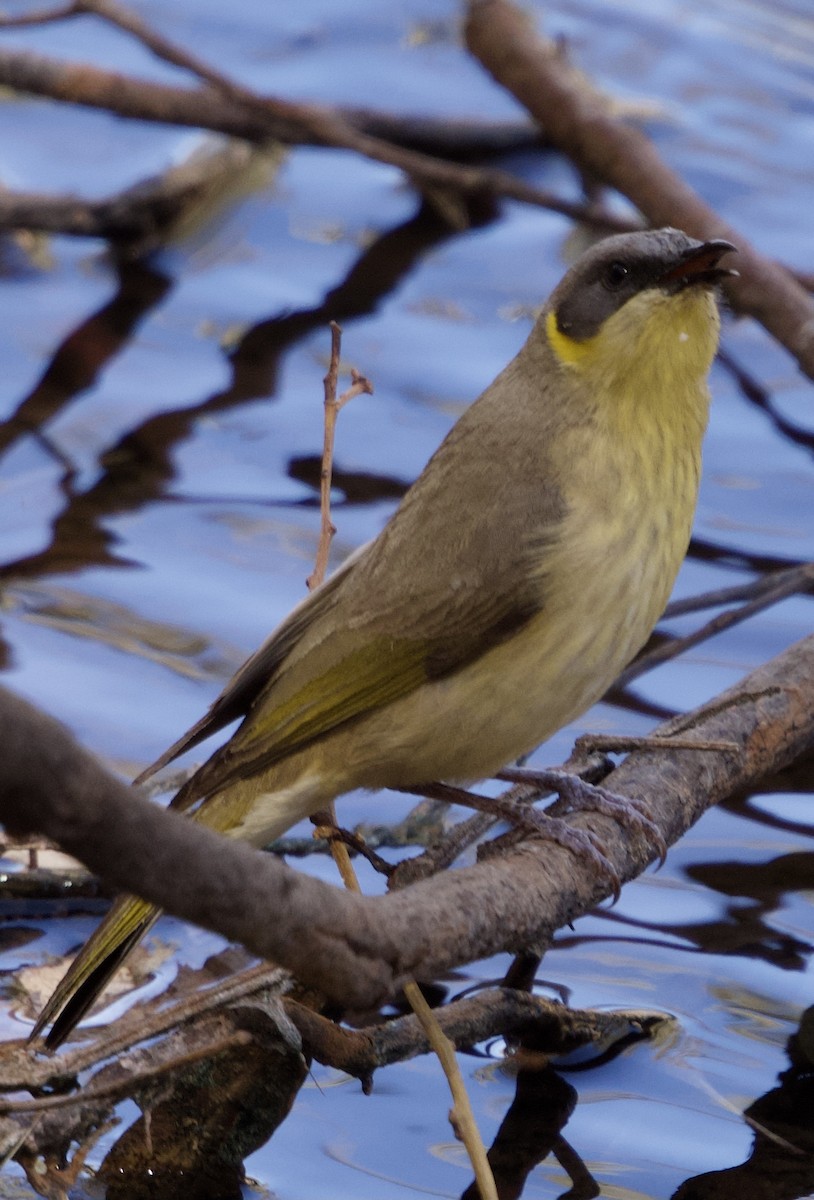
[124,926]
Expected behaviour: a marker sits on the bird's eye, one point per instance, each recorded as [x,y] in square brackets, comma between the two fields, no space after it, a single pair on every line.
[615,275]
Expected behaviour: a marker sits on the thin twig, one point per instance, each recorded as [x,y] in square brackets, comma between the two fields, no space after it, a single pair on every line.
[353,841]
[461,1118]
[333,405]
[120,16]
[129,22]
[39,16]
[327,529]
[802,575]
[785,585]
[441,853]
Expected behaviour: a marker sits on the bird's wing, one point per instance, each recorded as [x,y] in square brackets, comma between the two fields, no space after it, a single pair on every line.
[349,674]
[431,594]
[239,694]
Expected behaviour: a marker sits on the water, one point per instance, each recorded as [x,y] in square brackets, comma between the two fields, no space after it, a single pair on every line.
[160,507]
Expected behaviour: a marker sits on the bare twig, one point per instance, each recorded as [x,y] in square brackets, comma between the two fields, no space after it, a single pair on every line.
[443,852]
[327,529]
[777,587]
[461,1117]
[333,406]
[178,56]
[331,833]
[800,578]
[129,22]
[38,16]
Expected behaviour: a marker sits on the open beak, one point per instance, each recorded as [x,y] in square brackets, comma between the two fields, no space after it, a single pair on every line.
[699,265]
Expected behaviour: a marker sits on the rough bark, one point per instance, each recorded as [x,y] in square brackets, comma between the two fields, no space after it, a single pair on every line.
[356,949]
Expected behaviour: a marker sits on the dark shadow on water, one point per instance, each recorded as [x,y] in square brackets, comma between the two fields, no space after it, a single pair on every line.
[781,1163]
[138,468]
[87,350]
[530,1131]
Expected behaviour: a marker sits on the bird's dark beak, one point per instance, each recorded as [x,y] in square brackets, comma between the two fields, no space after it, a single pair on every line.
[698,265]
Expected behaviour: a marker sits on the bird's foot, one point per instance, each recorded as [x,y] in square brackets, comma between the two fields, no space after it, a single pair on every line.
[580,796]
[519,813]
[581,842]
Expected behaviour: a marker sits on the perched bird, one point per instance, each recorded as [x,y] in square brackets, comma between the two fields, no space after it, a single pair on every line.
[523,569]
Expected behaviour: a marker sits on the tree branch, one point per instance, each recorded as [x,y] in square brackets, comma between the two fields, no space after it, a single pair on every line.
[140,215]
[270,118]
[357,949]
[578,122]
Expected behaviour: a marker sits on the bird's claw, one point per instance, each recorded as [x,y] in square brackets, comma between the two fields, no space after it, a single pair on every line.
[581,796]
[581,842]
[628,811]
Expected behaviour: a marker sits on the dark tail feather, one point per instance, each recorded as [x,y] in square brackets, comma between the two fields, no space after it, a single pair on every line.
[123,927]
[83,999]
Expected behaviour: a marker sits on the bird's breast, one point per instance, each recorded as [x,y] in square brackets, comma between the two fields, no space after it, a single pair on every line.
[624,537]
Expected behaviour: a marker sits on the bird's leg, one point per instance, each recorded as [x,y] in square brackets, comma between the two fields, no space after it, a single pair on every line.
[517,811]
[579,795]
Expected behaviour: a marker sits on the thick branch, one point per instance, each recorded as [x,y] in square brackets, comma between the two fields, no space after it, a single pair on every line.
[356,949]
[261,118]
[49,783]
[578,122]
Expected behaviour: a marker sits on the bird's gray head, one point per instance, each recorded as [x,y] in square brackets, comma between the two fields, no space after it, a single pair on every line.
[618,268]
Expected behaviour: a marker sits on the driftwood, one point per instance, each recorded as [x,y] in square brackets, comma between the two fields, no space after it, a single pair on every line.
[244,1051]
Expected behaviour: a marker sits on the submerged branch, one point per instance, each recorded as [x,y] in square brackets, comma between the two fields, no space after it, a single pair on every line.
[141,215]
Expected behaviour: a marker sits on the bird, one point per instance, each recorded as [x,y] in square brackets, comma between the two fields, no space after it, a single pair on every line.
[524,568]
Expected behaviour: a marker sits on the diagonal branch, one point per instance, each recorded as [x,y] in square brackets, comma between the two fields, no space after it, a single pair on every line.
[270,118]
[578,122]
[357,949]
